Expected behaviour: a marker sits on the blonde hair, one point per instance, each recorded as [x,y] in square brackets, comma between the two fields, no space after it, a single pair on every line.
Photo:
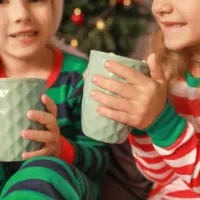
[174,63]
[58,6]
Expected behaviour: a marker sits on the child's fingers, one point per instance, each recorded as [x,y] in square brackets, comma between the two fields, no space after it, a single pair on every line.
[45,118]
[156,70]
[115,115]
[110,101]
[37,136]
[41,152]
[125,90]
[130,74]
[50,105]
[85,75]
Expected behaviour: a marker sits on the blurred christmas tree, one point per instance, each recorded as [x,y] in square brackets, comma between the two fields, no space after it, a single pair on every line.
[107,25]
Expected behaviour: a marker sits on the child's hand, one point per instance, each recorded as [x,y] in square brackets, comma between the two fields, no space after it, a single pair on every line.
[50,137]
[85,75]
[140,101]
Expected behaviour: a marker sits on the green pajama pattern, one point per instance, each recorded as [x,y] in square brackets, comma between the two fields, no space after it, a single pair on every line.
[48,178]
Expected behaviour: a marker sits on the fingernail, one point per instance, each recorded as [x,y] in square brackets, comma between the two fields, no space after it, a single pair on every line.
[43,97]
[94,79]
[93,93]
[98,109]
[29,113]
[24,133]
[24,156]
[107,64]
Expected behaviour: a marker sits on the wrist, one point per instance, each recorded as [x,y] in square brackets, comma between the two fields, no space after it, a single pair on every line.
[167,127]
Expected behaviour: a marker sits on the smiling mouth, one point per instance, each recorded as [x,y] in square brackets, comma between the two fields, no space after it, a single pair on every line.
[24,35]
[168,24]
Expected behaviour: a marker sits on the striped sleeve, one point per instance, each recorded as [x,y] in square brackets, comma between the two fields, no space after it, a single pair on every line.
[148,160]
[175,140]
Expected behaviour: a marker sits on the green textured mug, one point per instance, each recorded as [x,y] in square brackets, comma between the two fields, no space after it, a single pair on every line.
[17,97]
[94,125]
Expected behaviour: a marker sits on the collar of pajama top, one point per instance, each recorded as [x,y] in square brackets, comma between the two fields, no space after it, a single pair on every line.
[57,64]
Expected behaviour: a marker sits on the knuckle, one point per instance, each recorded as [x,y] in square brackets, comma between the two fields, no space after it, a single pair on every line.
[120,89]
[142,113]
[115,104]
[52,119]
[43,116]
[138,122]
[55,110]
[154,86]
[49,137]
[122,118]
[46,151]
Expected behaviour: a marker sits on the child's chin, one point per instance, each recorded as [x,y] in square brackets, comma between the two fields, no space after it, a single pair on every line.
[174,46]
[23,53]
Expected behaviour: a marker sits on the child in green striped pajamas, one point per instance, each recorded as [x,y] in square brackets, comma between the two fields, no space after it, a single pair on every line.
[70,165]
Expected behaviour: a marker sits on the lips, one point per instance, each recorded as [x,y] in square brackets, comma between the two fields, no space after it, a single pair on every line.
[25,37]
[24,34]
[172,24]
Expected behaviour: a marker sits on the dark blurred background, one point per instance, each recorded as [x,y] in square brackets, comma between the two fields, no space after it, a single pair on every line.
[119,26]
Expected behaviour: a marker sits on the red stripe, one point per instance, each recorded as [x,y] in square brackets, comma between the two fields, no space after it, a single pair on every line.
[149,160]
[185,170]
[163,181]
[2,73]
[184,193]
[154,160]
[131,137]
[191,144]
[186,106]
[156,171]
[68,151]
[196,181]
[156,190]
[58,61]
[144,147]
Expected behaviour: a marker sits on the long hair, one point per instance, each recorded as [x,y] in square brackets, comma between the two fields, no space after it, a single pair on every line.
[174,63]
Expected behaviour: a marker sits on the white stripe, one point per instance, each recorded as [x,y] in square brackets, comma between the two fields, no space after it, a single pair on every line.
[176,185]
[195,122]
[150,166]
[142,171]
[197,190]
[196,170]
[158,176]
[188,159]
[141,153]
[188,135]
[178,198]
[186,178]
[181,89]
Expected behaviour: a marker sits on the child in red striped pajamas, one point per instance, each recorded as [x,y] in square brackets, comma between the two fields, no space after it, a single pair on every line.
[164,109]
